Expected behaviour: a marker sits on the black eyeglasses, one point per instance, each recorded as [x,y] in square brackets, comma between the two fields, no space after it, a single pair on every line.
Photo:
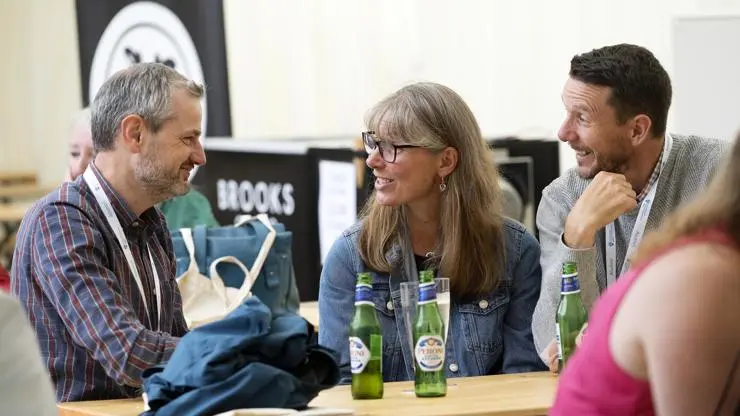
[388,150]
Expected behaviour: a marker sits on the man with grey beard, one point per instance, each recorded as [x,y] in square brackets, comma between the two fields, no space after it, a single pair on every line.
[93,264]
[630,174]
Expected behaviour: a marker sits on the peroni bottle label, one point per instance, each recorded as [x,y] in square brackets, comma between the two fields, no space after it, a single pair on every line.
[430,353]
[570,284]
[359,355]
[427,293]
[363,294]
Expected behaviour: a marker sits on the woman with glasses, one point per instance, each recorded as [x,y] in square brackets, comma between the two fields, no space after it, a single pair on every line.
[436,204]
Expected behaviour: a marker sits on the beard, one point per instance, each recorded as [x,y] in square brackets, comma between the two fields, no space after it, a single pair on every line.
[611,164]
[160,182]
[614,160]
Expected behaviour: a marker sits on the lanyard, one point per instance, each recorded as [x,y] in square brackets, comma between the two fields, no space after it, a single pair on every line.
[110,215]
[638,230]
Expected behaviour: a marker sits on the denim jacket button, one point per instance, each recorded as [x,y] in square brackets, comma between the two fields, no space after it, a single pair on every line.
[389,305]
[453,367]
[483,304]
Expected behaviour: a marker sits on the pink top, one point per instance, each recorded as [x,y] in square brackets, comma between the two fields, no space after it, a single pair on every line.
[592,382]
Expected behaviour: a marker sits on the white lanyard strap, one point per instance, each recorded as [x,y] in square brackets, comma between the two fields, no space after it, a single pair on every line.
[110,215]
[638,230]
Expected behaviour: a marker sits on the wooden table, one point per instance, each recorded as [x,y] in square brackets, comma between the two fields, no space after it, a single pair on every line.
[13,212]
[21,191]
[123,407]
[512,394]
[17,176]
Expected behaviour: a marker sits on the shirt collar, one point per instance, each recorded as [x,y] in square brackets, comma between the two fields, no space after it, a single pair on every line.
[653,178]
[125,214]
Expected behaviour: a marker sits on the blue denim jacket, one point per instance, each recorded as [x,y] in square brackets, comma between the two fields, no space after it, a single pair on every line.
[488,335]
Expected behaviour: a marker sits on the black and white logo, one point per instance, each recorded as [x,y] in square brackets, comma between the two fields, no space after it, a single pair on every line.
[145,32]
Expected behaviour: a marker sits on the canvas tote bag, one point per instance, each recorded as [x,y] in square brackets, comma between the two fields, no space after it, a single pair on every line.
[205,298]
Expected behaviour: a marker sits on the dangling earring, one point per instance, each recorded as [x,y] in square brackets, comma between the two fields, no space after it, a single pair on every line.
[442,185]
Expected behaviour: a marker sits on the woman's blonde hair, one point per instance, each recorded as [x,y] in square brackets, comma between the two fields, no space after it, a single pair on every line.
[470,249]
[717,206]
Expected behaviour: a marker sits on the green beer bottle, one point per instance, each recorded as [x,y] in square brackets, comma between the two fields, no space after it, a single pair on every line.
[365,344]
[429,347]
[571,314]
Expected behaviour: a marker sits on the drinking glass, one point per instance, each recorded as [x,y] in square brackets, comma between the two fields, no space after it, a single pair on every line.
[443,301]
[409,300]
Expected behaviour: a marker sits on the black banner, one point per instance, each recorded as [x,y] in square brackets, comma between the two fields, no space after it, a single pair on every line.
[284,186]
[280,185]
[186,35]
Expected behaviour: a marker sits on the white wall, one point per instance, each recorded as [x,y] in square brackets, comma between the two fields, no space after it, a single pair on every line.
[40,84]
[707,75]
[312,68]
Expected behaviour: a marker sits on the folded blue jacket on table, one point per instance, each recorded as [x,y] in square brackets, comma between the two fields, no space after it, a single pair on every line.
[249,359]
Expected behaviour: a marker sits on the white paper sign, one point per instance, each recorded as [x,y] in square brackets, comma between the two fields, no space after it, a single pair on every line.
[337,201]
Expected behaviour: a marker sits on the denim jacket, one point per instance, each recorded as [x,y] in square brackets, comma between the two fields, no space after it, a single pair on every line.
[488,335]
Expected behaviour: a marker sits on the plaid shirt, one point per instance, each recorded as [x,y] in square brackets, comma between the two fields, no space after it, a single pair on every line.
[652,181]
[72,277]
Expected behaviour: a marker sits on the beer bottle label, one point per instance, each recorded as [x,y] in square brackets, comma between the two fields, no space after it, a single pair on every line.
[570,284]
[427,293]
[364,294]
[359,355]
[430,353]
[557,341]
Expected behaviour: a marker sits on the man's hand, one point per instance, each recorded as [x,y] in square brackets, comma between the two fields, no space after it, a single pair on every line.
[607,197]
[579,337]
[550,354]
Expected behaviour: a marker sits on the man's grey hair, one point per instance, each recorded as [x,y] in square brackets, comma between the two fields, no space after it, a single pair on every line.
[144,89]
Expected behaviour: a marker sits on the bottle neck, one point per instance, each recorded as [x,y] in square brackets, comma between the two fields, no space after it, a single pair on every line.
[363,294]
[427,293]
[569,284]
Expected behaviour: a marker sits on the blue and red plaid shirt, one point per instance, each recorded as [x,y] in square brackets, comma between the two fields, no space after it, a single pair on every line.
[72,277]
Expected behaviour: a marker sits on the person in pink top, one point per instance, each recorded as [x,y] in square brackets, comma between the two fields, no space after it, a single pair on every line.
[665,338]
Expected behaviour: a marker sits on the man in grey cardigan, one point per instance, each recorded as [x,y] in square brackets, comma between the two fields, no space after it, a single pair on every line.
[630,175]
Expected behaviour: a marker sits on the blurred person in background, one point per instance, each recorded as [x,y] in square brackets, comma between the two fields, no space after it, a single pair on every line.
[25,386]
[186,211]
[631,173]
[80,145]
[664,339]
[436,204]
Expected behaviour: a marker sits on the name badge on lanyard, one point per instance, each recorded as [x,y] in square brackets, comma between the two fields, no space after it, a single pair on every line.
[639,229]
[110,216]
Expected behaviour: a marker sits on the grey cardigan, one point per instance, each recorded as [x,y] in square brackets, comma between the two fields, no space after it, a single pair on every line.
[691,164]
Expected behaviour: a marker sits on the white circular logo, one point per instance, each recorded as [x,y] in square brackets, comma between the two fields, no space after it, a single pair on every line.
[146,32]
